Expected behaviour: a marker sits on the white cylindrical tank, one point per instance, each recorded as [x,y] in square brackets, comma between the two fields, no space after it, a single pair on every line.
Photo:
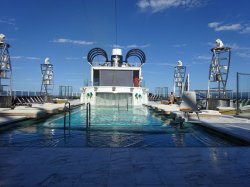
[117,51]
[116,58]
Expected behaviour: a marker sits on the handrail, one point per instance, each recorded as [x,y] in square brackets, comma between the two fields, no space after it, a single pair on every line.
[88,115]
[67,109]
[119,104]
[127,103]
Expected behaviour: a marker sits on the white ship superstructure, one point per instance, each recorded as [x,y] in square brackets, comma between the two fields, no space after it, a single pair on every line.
[115,82]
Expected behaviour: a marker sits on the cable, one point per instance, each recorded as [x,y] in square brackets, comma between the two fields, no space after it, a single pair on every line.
[115,23]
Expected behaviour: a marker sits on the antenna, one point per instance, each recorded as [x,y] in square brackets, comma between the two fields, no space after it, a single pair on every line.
[47,78]
[115,23]
[179,75]
[218,73]
[219,69]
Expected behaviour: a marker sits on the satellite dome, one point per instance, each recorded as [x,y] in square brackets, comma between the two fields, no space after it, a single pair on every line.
[219,43]
[46,61]
[2,38]
[179,63]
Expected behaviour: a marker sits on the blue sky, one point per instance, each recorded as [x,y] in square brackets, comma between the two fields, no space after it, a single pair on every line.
[166,30]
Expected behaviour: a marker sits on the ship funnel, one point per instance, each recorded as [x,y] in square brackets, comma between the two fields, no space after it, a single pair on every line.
[116,58]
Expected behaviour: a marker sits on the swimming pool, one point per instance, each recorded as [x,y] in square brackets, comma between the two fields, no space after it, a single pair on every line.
[110,127]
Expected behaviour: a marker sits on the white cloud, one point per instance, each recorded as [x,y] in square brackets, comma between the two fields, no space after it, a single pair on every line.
[118,46]
[203,57]
[130,46]
[232,27]
[200,63]
[9,21]
[241,51]
[33,58]
[15,57]
[137,46]
[179,45]
[79,42]
[217,26]
[162,64]
[26,58]
[244,54]
[72,58]
[239,27]
[160,5]
[246,30]
[213,24]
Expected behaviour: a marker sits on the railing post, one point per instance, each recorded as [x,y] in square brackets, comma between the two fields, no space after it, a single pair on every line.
[67,109]
[88,115]
[127,103]
[69,115]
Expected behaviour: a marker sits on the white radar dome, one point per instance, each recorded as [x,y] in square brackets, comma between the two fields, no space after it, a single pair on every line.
[2,38]
[219,43]
[46,61]
[179,63]
[116,51]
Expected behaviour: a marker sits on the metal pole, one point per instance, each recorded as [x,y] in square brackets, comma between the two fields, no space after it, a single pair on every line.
[64,120]
[69,115]
[127,103]
[87,115]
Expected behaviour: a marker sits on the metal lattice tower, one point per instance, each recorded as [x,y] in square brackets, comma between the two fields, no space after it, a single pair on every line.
[179,76]
[218,71]
[47,78]
[5,68]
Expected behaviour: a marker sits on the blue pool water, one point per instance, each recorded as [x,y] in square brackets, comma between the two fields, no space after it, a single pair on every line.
[111,127]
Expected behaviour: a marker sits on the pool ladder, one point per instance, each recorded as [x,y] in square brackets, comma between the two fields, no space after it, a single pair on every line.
[88,115]
[118,106]
[67,110]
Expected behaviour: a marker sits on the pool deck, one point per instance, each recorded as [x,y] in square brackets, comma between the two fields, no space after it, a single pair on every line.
[20,113]
[131,167]
[125,167]
[228,125]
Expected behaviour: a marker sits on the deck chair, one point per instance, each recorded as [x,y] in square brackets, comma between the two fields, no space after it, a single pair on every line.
[41,99]
[189,104]
[19,101]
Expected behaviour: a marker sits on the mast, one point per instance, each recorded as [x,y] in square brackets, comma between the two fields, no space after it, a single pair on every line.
[5,68]
[47,78]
